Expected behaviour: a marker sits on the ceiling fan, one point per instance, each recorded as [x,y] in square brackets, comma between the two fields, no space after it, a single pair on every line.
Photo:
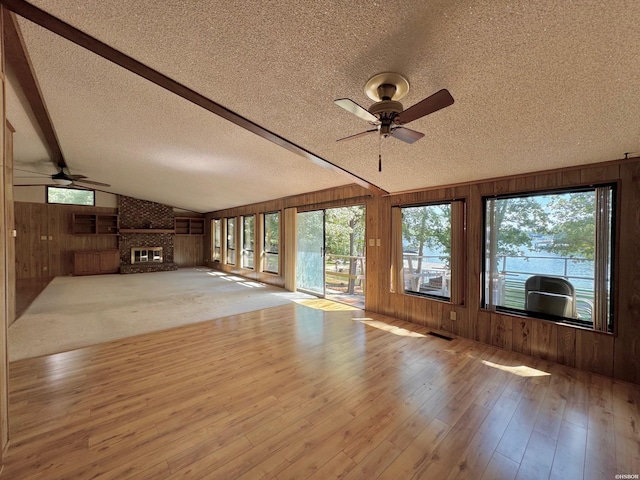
[387,114]
[64,179]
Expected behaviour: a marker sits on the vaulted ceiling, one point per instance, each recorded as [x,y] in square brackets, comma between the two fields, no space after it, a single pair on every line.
[537,85]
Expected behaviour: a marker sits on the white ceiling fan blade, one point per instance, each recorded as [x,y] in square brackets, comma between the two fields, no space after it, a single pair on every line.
[406,134]
[352,107]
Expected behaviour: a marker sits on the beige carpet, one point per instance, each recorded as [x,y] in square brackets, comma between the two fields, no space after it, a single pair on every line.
[74,312]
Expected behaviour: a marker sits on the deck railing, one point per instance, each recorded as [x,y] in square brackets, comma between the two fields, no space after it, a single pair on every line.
[345,270]
[420,270]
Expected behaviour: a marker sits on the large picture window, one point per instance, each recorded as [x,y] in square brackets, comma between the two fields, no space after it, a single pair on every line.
[426,250]
[71,196]
[550,255]
[248,240]
[216,250]
[231,241]
[271,230]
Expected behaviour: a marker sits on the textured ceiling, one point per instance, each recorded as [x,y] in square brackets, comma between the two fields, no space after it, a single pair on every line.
[537,85]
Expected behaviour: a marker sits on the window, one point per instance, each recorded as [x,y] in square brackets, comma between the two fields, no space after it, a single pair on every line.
[216,251]
[550,255]
[248,240]
[231,241]
[426,250]
[271,240]
[70,196]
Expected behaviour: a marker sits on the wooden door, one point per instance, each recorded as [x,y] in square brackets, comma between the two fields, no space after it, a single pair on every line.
[32,241]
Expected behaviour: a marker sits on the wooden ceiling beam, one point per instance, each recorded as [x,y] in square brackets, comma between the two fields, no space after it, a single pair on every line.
[57,26]
[17,59]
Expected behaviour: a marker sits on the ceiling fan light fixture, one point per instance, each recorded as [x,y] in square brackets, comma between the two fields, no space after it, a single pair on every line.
[62,181]
[61,178]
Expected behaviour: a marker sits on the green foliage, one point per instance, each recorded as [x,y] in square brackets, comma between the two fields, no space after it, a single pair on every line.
[247,232]
[574,230]
[514,219]
[345,230]
[310,232]
[70,196]
[271,231]
[569,218]
[427,226]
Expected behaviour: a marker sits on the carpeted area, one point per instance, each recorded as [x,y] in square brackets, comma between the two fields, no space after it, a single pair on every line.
[74,312]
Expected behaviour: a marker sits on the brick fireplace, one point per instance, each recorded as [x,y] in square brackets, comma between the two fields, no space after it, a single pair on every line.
[145,226]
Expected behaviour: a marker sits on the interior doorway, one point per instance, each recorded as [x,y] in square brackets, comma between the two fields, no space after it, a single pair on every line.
[331,254]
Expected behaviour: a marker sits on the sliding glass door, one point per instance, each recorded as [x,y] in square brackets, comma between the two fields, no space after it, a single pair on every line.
[310,261]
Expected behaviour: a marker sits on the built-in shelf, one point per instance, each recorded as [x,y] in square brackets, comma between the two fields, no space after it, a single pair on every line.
[95,224]
[147,230]
[189,225]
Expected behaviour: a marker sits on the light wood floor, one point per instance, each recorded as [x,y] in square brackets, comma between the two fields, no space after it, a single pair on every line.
[296,392]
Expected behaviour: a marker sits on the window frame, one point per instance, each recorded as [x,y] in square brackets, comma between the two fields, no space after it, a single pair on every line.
[230,247]
[216,234]
[457,259]
[93,196]
[243,237]
[613,228]
[266,251]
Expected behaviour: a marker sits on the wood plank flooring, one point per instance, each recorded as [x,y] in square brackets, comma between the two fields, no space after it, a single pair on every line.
[314,391]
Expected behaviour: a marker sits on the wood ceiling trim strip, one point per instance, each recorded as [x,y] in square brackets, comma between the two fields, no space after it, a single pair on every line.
[17,58]
[55,25]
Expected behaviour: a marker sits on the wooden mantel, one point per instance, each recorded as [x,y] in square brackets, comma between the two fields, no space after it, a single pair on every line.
[146,230]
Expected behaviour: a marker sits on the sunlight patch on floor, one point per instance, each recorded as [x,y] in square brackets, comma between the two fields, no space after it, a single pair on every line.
[323,304]
[403,332]
[520,370]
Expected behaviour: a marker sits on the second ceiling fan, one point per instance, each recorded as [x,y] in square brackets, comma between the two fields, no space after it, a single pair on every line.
[65,179]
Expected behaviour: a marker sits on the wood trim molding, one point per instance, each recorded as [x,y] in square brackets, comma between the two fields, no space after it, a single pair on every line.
[57,26]
[290,251]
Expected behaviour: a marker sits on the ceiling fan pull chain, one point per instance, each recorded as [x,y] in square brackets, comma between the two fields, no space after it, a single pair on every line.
[380,153]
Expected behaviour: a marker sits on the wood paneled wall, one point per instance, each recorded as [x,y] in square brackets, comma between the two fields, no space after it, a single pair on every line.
[188,250]
[335,197]
[612,355]
[45,244]
[616,355]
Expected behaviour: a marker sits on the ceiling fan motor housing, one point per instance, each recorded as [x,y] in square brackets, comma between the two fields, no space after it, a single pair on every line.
[386,111]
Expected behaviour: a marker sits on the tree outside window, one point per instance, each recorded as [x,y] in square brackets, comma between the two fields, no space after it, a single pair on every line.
[563,235]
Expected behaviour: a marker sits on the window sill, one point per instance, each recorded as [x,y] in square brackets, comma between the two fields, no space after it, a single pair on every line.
[560,322]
